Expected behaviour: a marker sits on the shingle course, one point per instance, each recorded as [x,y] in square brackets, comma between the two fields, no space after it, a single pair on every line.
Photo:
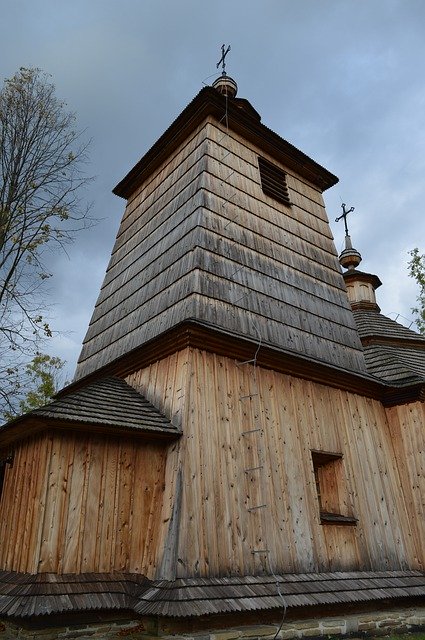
[108,402]
[392,352]
[24,595]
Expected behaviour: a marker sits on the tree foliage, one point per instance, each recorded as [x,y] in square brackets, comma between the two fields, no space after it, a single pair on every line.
[41,381]
[417,271]
[42,163]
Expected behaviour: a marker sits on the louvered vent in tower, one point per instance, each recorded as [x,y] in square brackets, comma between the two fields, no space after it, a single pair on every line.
[273,181]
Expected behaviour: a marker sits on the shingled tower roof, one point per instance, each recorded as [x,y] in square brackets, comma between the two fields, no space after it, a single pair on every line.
[224,227]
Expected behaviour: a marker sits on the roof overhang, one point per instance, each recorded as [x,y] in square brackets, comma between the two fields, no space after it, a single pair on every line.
[200,335]
[209,102]
[30,597]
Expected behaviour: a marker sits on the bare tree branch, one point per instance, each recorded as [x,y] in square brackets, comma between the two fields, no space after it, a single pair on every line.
[42,161]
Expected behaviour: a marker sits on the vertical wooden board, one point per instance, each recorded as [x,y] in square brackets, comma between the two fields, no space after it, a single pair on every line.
[45,452]
[35,517]
[169,373]
[293,479]
[154,498]
[377,484]
[8,507]
[8,511]
[198,494]
[278,530]
[125,482]
[300,475]
[359,456]
[341,547]
[89,529]
[102,557]
[142,492]
[391,509]
[76,507]
[48,547]
[407,435]
[19,505]
[53,523]
[201,471]
[107,506]
[411,449]
[62,510]
[22,499]
[305,395]
[234,474]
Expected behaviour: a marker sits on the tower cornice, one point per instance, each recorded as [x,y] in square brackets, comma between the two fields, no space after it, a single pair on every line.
[241,119]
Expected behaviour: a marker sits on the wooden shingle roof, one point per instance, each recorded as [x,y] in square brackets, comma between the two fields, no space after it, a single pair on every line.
[392,352]
[108,402]
[202,242]
[395,365]
[241,116]
[27,595]
[371,324]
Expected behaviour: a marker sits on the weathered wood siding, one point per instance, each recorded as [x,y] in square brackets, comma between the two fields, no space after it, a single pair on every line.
[211,480]
[239,482]
[407,427]
[201,240]
[76,503]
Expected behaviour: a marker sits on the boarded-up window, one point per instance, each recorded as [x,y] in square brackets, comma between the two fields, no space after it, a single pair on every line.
[331,487]
[273,181]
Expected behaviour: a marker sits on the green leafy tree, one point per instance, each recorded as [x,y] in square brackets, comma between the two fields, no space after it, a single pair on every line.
[42,379]
[417,271]
[42,161]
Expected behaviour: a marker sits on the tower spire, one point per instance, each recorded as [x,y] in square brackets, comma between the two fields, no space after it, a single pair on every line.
[350,258]
[222,60]
[225,84]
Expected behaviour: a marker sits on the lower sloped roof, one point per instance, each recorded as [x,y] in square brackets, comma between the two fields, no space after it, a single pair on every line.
[26,595]
[392,352]
[108,402]
[370,323]
[394,364]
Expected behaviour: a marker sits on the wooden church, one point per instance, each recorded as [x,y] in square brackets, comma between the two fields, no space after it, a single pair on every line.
[241,452]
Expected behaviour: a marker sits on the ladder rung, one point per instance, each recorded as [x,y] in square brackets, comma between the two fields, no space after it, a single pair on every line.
[253,468]
[259,506]
[250,431]
[249,395]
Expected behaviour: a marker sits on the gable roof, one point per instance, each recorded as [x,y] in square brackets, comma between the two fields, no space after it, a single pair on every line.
[108,402]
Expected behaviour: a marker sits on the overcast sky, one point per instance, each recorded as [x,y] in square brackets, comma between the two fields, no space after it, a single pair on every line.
[343,80]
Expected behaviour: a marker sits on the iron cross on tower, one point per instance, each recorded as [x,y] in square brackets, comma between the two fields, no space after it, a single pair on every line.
[344,215]
[222,60]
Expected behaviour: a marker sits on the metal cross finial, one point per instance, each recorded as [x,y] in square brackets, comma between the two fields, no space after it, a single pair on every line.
[344,215]
[222,60]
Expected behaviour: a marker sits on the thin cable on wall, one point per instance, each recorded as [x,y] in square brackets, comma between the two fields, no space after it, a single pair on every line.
[256,429]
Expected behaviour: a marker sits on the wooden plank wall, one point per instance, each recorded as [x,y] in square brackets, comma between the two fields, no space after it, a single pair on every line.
[76,503]
[200,239]
[217,534]
[407,427]
[79,503]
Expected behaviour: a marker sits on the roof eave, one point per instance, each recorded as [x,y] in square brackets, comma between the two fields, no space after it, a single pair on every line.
[209,102]
[30,425]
